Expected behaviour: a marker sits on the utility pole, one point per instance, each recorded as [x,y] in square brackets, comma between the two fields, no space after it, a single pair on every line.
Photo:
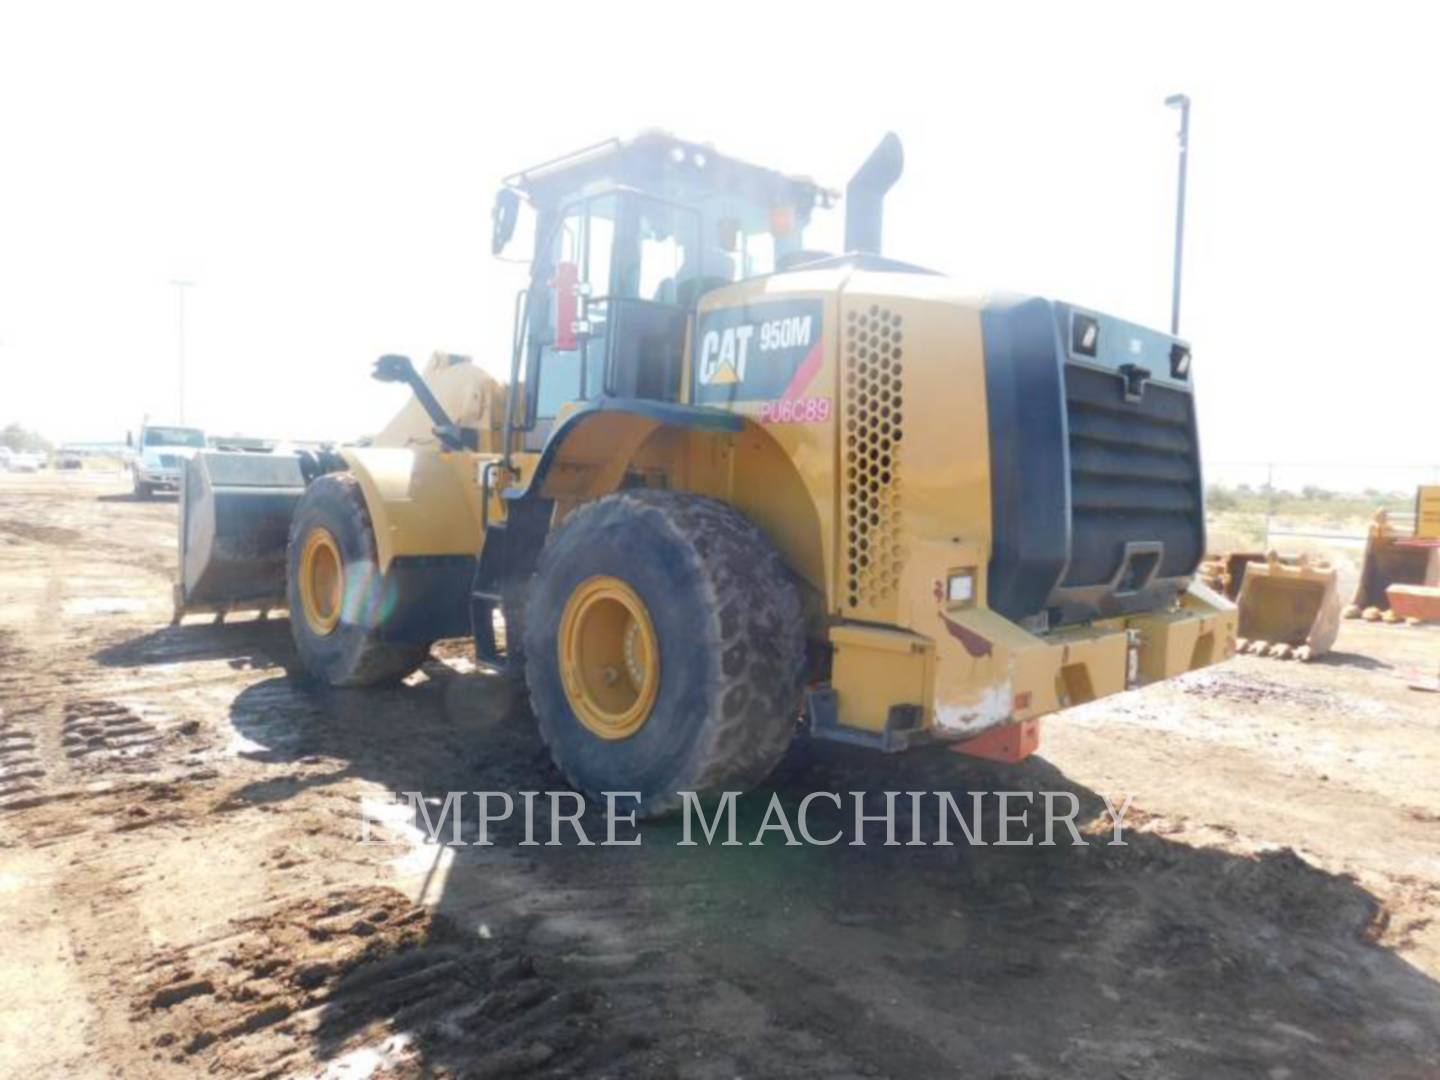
[1269,503]
[180,287]
[1181,102]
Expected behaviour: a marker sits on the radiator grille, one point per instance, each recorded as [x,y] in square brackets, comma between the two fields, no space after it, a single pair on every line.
[1134,476]
[873,411]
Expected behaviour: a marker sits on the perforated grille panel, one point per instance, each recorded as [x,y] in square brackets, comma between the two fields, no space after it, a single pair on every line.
[874,403]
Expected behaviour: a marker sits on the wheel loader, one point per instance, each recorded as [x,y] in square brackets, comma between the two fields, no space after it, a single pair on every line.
[736,487]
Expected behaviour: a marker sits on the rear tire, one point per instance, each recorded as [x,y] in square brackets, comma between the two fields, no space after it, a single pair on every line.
[336,626]
[726,617]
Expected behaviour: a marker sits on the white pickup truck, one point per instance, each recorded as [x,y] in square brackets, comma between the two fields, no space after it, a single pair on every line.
[159,456]
[19,460]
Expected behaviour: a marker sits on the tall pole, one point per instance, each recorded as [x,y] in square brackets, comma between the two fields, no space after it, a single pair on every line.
[1269,502]
[180,287]
[1181,102]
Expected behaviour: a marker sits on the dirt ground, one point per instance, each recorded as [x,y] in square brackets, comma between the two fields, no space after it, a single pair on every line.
[184,890]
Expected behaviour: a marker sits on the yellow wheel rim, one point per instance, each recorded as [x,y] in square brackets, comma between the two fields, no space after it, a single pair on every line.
[322,580]
[609,660]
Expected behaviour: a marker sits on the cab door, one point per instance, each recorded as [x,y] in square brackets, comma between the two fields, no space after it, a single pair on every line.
[570,313]
[656,259]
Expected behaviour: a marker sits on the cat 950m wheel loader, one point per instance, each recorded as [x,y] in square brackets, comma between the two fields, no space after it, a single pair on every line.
[736,486]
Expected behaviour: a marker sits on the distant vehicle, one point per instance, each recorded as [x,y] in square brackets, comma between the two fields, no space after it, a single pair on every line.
[20,460]
[160,456]
[68,460]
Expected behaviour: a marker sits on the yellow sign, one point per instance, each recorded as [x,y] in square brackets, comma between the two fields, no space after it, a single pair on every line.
[1427,512]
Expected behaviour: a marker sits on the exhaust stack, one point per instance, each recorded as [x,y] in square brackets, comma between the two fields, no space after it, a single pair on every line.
[865,194]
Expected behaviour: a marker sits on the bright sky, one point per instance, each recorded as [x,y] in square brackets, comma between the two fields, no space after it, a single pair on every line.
[324,173]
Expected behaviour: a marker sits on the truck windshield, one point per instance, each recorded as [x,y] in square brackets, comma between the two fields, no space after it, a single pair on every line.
[174,436]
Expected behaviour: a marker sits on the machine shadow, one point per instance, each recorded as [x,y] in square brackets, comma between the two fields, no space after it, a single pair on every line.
[1338,658]
[252,644]
[1148,958]
[131,497]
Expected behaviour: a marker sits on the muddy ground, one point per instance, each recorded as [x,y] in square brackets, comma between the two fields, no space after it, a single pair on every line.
[184,891]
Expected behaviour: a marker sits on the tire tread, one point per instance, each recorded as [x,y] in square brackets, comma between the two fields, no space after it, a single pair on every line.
[755,624]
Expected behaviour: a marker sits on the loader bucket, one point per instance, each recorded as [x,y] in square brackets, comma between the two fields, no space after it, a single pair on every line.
[235,511]
[1392,558]
[1289,609]
[1226,573]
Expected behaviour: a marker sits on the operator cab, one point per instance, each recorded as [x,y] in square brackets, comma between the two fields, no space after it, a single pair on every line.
[629,236]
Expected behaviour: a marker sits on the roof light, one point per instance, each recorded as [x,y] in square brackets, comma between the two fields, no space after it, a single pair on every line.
[1084,335]
[1179,362]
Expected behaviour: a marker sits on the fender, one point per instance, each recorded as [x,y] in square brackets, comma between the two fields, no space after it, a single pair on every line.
[588,451]
[706,450]
[610,423]
[422,501]
[425,509]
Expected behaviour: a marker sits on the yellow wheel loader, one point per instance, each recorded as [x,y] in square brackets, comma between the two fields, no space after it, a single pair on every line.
[736,486]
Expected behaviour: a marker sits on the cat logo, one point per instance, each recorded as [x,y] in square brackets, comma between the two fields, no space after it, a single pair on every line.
[724,354]
[754,352]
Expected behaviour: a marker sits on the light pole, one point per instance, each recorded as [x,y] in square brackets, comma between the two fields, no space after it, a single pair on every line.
[1181,102]
[180,287]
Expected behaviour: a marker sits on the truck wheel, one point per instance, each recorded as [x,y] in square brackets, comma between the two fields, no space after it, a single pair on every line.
[336,593]
[664,648]
[142,489]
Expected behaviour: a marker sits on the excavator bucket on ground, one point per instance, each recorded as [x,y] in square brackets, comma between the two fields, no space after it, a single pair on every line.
[235,511]
[1289,608]
[1226,573]
[1395,559]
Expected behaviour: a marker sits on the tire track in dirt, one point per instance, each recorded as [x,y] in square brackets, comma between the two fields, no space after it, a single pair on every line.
[20,769]
[283,990]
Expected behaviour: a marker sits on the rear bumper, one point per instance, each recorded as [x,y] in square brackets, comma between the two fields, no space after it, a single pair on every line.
[989,675]
[979,672]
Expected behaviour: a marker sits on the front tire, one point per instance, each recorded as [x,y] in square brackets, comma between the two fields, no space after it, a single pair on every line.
[664,647]
[336,593]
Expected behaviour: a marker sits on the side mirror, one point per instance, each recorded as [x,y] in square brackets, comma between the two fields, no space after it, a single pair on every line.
[503,216]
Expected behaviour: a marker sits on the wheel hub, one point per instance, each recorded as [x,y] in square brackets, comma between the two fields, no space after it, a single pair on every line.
[609,659]
[322,581]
